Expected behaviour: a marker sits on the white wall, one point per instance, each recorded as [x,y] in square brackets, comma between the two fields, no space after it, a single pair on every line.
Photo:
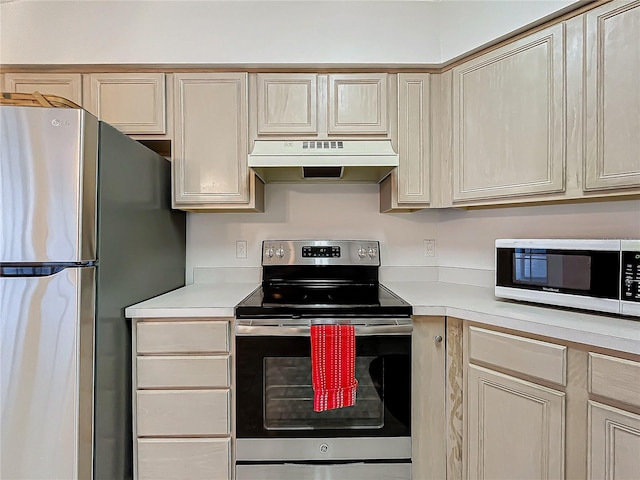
[467,24]
[256,32]
[464,238]
[304,211]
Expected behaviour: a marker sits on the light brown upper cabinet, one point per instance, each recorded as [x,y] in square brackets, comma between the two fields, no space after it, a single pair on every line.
[358,103]
[310,105]
[508,120]
[210,170]
[65,85]
[612,116]
[287,103]
[407,188]
[134,103]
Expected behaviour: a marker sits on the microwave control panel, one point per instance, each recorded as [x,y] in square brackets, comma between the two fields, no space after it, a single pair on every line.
[630,276]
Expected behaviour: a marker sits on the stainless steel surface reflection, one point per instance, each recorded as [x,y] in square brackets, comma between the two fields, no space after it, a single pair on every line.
[48,191]
[45,332]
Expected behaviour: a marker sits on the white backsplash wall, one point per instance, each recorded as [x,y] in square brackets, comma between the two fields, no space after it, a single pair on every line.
[464,238]
[338,211]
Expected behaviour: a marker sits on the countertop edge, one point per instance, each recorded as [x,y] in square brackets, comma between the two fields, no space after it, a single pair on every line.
[475,304]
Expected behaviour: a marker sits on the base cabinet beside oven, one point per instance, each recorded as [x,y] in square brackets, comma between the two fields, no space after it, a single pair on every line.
[181,399]
[525,406]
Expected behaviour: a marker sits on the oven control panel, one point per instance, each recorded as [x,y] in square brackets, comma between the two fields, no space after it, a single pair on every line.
[321,252]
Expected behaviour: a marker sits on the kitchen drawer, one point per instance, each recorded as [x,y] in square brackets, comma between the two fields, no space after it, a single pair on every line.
[182,412]
[614,378]
[191,371]
[182,337]
[532,358]
[182,458]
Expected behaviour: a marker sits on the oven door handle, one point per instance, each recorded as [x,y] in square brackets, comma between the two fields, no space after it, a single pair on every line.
[296,331]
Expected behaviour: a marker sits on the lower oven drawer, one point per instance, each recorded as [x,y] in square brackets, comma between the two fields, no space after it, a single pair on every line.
[351,471]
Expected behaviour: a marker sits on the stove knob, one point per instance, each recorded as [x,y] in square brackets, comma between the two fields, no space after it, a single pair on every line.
[280,252]
[268,252]
[362,252]
[373,252]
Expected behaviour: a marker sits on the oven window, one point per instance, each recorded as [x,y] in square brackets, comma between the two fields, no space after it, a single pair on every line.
[274,396]
[288,395]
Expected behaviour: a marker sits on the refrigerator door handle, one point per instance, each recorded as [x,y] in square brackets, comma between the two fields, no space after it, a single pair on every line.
[40,270]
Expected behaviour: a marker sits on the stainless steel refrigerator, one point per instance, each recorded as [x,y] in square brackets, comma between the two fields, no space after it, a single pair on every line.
[86,230]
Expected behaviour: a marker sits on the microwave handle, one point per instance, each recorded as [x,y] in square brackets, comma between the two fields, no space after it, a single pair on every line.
[305,331]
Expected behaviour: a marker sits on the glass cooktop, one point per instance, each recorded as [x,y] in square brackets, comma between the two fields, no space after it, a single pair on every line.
[321,300]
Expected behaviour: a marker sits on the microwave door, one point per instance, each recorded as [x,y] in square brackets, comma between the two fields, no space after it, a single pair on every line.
[568,277]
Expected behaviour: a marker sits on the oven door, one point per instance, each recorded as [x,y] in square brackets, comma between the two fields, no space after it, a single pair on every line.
[275,419]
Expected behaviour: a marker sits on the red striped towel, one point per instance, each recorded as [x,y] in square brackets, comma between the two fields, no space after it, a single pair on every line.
[333,352]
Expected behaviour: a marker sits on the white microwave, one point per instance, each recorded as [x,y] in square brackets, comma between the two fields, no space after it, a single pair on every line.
[599,275]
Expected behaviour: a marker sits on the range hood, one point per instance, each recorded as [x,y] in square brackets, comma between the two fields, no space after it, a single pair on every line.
[356,161]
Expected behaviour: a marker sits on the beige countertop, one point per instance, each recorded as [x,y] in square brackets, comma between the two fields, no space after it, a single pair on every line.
[472,303]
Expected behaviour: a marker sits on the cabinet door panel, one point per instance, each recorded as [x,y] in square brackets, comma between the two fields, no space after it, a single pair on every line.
[509,120]
[210,145]
[614,378]
[182,337]
[612,158]
[413,138]
[189,371]
[182,412]
[133,103]
[178,459]
[287,103]
[358,103]
[65,85]
[529,357]
[428,399]
[515,428]
[614,447]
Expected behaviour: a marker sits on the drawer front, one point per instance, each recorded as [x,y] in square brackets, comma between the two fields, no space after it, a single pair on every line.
[182,337]
[614,378]
[182,371]
[179,459]
[182,412]
[532,358]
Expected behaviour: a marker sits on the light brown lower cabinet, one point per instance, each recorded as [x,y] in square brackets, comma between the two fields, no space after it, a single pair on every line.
[614,447]
[521,406]
[184,458]
[428,420]
[516,428]
[614,418]
[182,399]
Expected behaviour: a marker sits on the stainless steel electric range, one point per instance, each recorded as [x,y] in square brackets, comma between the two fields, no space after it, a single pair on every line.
[279,435]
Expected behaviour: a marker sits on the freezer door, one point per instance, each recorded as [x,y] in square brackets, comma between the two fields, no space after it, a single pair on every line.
[46,330]
[48,160]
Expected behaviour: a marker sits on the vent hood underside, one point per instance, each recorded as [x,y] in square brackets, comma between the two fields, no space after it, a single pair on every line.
[345,161]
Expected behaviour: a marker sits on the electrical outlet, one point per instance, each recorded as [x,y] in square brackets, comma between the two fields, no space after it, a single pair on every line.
[429,248]
[241,249]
